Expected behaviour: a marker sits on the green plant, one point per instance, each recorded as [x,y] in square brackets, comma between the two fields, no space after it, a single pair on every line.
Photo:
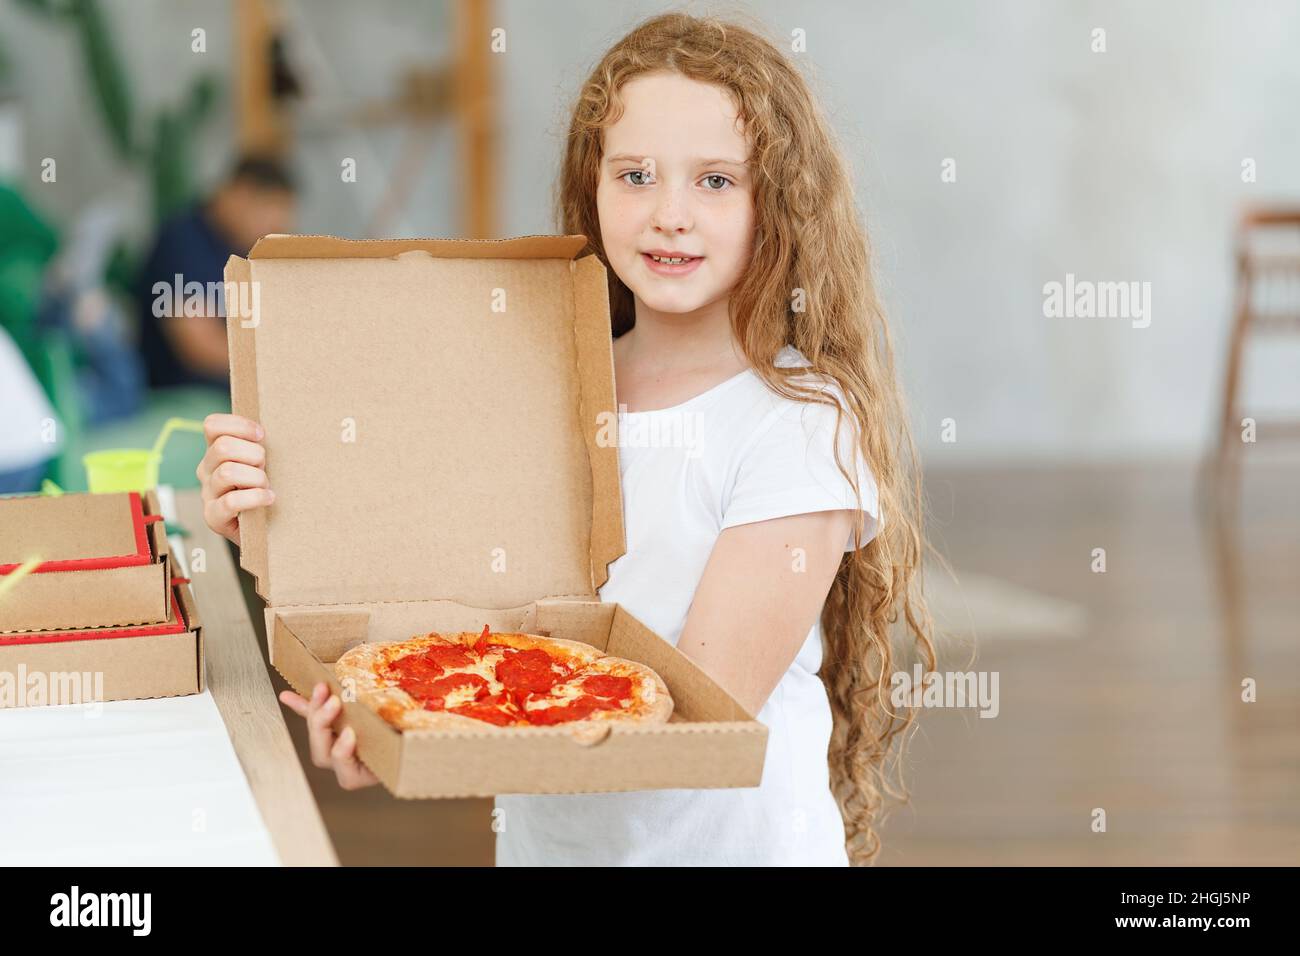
[163,150]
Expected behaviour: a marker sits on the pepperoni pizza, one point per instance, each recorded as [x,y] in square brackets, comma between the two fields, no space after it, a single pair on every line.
[467,681]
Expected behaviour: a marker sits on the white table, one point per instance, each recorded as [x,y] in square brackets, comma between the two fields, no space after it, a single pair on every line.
[208,779]
[126,782]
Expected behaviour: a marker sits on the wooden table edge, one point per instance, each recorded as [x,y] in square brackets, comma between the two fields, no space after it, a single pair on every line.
[241,685]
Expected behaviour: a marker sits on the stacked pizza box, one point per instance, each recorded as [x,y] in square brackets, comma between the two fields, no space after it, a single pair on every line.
[90,606]
[441,434]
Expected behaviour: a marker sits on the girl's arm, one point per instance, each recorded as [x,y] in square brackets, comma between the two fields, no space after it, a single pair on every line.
[762,590]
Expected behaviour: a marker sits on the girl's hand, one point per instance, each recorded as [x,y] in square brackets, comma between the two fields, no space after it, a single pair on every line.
[232,472]
[330,750]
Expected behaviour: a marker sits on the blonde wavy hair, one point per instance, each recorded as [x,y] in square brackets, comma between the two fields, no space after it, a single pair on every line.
[808,237]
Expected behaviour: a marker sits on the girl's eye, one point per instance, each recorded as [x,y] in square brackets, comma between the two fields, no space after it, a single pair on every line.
[634,172]
[717,182]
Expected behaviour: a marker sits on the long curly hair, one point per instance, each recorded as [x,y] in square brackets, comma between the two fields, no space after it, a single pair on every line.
[809,285]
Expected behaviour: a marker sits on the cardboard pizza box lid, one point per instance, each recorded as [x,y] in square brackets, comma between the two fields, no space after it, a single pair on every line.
[439,419]
[72,532]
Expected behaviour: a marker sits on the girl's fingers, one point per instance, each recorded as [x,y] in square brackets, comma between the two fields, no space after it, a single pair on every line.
[352,773]
[319,733]
[302,706]
[295,702]
[338,752]
[221,511]
[230,475]
[229,448]
[237,425]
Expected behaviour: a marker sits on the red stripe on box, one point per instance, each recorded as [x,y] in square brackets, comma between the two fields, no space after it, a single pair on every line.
[179,626]
[137,520]
[142,553]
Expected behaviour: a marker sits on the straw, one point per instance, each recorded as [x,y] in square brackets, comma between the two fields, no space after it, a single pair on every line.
[173,424]
[8,582]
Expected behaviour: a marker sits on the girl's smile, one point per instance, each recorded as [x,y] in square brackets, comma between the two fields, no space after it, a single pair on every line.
[666,263]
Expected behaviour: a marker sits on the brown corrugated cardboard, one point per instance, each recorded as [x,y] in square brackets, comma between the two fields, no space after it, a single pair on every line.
[104,561]
[710,741]
[106,663]
[433,410]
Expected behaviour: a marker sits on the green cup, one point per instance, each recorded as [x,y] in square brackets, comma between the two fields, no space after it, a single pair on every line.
[131,469]
[121,469]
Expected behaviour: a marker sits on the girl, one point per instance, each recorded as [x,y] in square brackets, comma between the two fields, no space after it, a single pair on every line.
[777,543]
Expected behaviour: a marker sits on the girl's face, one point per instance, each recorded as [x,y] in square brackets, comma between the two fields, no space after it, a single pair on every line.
[674,183]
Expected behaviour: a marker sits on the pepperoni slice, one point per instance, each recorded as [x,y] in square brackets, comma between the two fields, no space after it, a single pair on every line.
[530,672]
[579,709]
[489,713]
[494,709]
[433,695]
[480,646]
[415,667]
[449,655]
[430,663]
[607,685]
[421,690]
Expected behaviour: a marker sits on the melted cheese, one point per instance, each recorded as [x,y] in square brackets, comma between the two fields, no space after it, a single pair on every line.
[560,694]
[486,669]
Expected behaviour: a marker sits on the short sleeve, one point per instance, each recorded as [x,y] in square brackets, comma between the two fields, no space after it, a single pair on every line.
[789,468]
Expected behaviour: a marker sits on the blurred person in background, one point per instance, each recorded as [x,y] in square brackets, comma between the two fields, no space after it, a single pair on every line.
[256,199]
[78,303]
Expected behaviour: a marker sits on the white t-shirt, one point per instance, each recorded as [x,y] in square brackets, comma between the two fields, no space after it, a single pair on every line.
[26,412]
[735,454]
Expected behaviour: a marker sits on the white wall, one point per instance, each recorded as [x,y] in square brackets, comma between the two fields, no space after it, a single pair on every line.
[1123,165]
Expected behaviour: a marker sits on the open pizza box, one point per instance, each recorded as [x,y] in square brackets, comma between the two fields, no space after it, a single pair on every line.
[122,662]
[103,561]
[440,435]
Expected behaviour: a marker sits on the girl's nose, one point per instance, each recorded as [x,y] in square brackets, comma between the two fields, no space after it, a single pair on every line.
[671,214]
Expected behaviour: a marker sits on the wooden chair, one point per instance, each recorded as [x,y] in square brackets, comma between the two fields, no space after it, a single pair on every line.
[1267,302]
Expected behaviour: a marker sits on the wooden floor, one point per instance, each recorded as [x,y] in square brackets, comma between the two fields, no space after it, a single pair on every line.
[1141,717]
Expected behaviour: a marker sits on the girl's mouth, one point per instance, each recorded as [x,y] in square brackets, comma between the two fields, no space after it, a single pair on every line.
[671,265]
